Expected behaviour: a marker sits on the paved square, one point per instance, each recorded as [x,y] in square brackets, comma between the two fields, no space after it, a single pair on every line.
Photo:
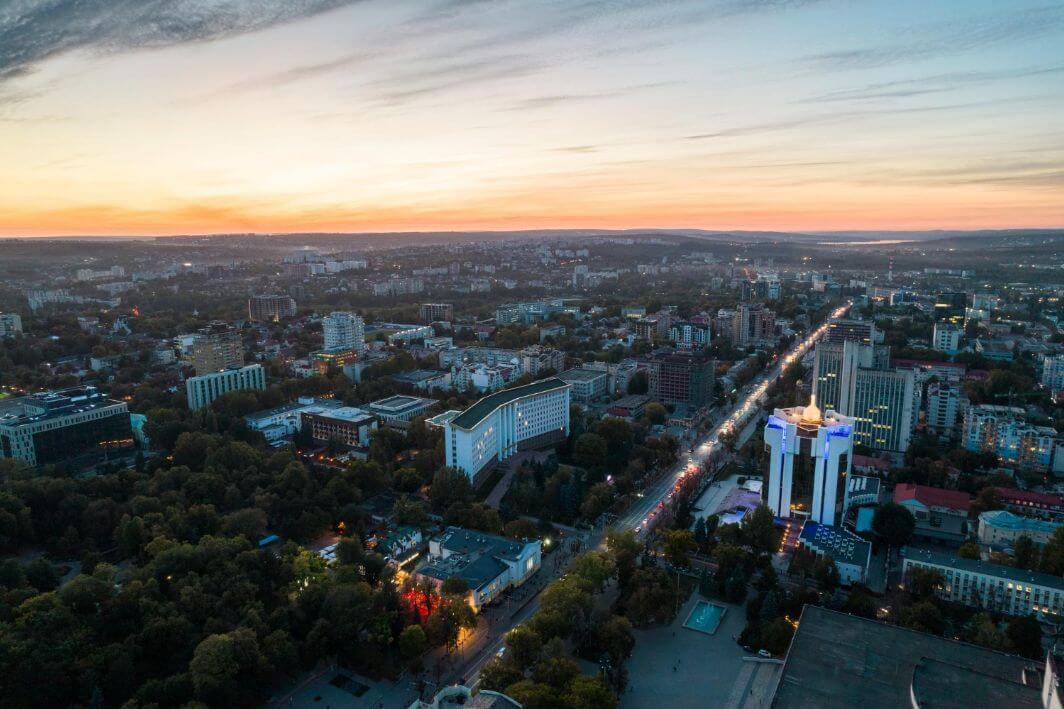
[710,671]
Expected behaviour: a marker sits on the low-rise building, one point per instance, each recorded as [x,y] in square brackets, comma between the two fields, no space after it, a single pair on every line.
[851,553]
[629,407]
[985,585]
[588,384]
[281,422]
[347,425]
[1004,431]
[1001,528]
[1028,503]
[489,564]
[424,379]
[10,324]
[939,513]
[399,410]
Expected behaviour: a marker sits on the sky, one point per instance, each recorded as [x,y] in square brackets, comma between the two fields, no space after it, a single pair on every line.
[188,116]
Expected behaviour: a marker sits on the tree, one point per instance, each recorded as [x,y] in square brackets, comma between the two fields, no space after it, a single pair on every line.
[1025,635]
[735,587]
[449,486]
[594,567]
[42,575]
[925,617]
[983,631]
[1053,554]
[412,642]
[590,450]
[1025,555]
[923,583]
[894,523]
[678,544]
[776,636]
[969,550]
[826,573]
[638,383]
[759,530]
[455,586]
[533,695]
[589,693]
[523,645]
[84,593]
[656,413]
[217,662]
[860,604]
[498,673]
[520,529]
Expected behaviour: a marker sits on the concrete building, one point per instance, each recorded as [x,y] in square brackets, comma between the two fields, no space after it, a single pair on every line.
[588,385]
[216,347]
[1052,373]
[76,426]
[851,554]
[680,378]
[437,312]
[202,390]
[809,456]
[487,563]
[950,307]
[1001,528]
[859,331]
[861,491]
[499,425]
[284,421]
[947,337]
[945,402]
[939,514]
[483,378]
[690,336]
[985,585]
[1032,504]
[346,425]
[1003,430]
[399,410]
[536,359]
[271,308]
[424,379]
[754,326]
[10,324]
[841,660]
[344,330]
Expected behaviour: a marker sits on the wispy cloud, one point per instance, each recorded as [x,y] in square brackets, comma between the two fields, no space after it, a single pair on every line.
[34,30]
[943,39]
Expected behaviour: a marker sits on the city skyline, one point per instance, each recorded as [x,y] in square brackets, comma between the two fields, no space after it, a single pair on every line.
[133,118]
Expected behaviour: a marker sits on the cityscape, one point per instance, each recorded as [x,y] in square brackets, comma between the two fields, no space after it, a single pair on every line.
[436,354]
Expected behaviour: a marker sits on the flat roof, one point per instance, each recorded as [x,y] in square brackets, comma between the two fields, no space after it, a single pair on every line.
[579,374]
[399,403]
[840,660]
[478,411]
[976,566]
[842,545]
[344,413]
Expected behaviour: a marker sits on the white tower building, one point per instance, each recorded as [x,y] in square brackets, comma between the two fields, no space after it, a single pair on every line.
[809,457]
[344,330]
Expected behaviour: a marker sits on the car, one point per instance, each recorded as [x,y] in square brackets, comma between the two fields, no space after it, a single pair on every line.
[501,652]
[764,653]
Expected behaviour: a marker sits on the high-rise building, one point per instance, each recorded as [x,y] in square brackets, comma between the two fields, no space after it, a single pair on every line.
[204,389]
[947,337]
[951,307]
[680,378]
[754,325]
[10,324]
[689,335]
[217,346]
[944,405]
[855,380]
[69,427]
[271,308]
[860,331]
[1003,430]
[810,455]
[1053,373]
[437,312]
[344,331]
[503,423]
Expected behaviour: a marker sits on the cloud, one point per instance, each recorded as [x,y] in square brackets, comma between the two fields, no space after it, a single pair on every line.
[944,39]
[32,31]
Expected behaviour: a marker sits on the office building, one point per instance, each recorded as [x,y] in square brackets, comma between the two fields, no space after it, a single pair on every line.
[410,335]
[588,385]
[344,330]
[482,377]
[861,490]
[270,308]
[841,660]
[396,286]
[851,553]
[859,331]
[399,410]
[809,456]
[754,325]
[528,312]
[950,307]
[1001,529]
[945,402]
[947,337]
[10,324]
[490,356]
[499,425]
[281,422]
[680,378]
[885,405]
[202,390]
[76,426]
[217,346]
[323,362]
[1002,430]
[1052,373]
[346,425]
[437,312]
[939,514]
[489,564]
[424,379]
[988,586]
[689,335]
[1028,503]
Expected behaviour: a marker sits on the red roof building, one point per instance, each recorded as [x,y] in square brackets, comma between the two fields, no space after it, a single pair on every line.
[1032,504]
[934,498]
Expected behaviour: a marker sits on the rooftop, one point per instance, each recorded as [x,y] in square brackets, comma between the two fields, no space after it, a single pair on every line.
[1029,497]
[1007,520]
[1005,573]
[480,410]
[840,660]
[841,545]
[345,413]
[580,374]
[399,403]
[55,404]
[933,496]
